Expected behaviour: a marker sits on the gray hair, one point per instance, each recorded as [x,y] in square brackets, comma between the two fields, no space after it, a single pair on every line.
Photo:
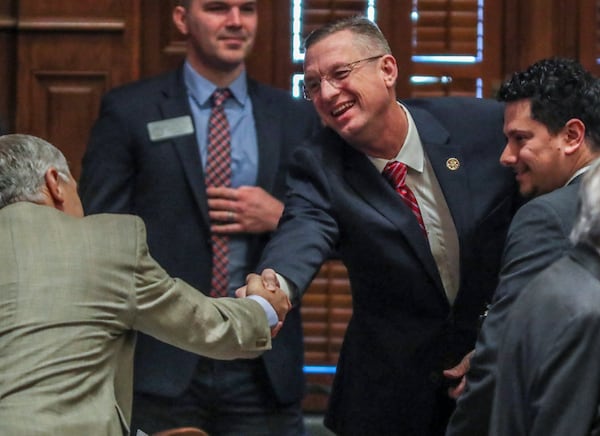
[366,32]
[587,226]
[24,161]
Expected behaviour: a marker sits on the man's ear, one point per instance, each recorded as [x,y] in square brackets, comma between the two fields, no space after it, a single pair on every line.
[574,131]
[55,189]
[390,70]
[179,19]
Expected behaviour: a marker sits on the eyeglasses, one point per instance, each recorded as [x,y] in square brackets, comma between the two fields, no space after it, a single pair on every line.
[335,78]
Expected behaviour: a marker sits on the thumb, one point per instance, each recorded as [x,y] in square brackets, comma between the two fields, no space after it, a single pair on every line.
[461,369]
[269,279]
[276,329]
[241,292]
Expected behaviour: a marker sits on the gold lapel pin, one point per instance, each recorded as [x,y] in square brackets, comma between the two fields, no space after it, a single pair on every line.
[452,164]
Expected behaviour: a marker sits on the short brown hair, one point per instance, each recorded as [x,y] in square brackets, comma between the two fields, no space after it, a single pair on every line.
[364,29]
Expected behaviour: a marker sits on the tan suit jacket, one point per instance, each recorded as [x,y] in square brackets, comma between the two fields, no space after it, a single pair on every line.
[72,293]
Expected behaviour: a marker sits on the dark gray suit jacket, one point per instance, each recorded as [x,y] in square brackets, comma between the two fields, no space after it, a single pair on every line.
[548,378]
[403,331]
[538,235]
[163,182]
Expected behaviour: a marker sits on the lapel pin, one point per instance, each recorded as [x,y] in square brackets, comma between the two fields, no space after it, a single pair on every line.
[452,164]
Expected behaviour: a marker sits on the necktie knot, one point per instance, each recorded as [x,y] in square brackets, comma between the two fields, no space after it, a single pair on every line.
[219,96]
[395,172]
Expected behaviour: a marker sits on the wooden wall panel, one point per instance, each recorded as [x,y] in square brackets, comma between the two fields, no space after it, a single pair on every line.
[538,29]
[8,62]
[163,48]
[69,54]
[69,101]
[589,35]
[270,46]
[117,41]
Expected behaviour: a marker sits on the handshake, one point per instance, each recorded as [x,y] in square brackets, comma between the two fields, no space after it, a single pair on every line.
[266,285]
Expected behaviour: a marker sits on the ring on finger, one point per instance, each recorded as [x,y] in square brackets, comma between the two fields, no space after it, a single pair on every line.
[230,216]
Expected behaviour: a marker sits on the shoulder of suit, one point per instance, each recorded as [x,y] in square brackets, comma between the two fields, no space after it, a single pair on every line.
[131,92]
[565,194]
[457,104]
[113,220]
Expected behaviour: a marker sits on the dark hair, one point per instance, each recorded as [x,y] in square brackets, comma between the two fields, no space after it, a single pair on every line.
[559,89]
[365,30]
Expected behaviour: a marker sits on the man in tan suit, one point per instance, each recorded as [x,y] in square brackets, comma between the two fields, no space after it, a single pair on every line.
[73,291]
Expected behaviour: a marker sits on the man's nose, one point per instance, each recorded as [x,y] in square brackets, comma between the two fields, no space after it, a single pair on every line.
[508,156]
[234,17]
[327,89]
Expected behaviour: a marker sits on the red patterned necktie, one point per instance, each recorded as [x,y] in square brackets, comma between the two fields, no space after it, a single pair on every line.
[218,173]
[395,172]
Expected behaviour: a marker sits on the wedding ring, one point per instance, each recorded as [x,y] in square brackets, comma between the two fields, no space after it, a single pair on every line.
[230,216]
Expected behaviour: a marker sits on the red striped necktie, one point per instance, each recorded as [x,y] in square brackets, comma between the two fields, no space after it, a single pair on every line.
[395,172]
[218,173]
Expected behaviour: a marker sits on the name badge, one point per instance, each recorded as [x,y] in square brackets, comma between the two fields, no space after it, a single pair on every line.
[170,128]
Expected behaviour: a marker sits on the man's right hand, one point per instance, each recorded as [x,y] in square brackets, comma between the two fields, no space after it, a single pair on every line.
[267,286]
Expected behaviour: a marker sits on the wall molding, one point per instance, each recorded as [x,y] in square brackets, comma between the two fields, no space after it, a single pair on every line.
[70,24]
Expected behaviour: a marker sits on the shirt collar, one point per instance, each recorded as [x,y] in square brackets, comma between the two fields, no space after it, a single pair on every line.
[201,88]
[582,170]
[411,153]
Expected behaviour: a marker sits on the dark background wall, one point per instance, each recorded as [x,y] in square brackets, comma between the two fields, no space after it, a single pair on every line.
[57,57]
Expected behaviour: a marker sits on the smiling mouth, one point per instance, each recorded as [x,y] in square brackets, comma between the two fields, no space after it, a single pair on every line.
[339,110]
[232,37]
[233,40]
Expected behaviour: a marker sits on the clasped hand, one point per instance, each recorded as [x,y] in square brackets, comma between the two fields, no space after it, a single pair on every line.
[266,285]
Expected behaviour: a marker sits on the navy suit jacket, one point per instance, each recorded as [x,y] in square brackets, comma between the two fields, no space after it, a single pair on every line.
[548,378]
[163,182]
[403,331]
[538,236]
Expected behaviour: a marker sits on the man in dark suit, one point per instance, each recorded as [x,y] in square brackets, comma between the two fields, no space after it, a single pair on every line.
[548,378]
[421,267]
[552,123]
[147,155]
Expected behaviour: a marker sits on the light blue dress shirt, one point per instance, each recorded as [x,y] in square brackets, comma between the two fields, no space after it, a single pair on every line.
[244,150]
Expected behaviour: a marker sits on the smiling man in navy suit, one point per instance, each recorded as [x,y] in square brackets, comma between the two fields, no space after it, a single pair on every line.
[147,155]
[422,265]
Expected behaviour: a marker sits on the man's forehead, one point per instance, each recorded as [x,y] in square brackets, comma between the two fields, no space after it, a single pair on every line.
[325,54]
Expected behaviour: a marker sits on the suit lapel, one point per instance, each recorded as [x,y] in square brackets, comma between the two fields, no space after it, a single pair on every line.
[268,132]
[442,153]
[370,185]
[176,104]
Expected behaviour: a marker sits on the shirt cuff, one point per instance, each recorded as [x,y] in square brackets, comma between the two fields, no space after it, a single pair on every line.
[269,311]
[288,288]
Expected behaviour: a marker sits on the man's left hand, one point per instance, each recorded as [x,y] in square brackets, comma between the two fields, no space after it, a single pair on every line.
[247,209]
[459,372]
